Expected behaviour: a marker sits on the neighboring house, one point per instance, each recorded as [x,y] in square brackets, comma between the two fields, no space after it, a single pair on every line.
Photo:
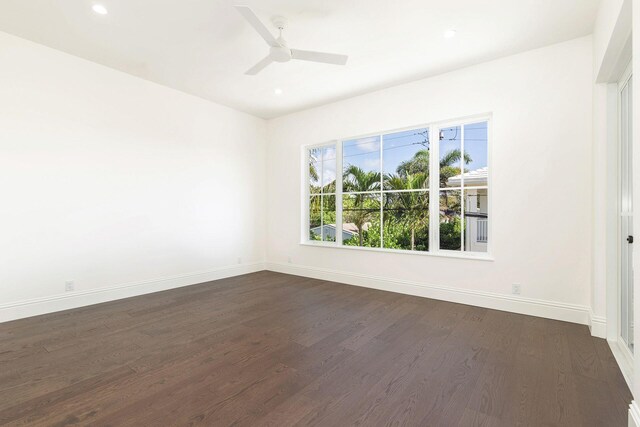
[349,230]
[475,208]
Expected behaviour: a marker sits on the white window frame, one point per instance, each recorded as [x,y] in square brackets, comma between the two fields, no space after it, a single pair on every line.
[433,190]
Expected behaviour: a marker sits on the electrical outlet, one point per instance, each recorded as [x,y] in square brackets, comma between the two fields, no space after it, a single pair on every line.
[289,260]
[516,289]
[69,286]
[239,260]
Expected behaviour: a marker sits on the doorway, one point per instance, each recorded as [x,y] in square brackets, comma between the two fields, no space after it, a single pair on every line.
[626,212]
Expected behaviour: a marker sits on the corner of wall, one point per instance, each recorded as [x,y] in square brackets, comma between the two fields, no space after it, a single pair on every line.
[597,325]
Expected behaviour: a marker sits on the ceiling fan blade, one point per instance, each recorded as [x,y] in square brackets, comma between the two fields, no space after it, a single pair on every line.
[259,66]
[257,25]
[328,58]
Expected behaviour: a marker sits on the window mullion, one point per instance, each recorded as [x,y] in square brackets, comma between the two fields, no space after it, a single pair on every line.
[306,222]
[339,193]
[380,195]
[322,230]
[463,225]
[434,185]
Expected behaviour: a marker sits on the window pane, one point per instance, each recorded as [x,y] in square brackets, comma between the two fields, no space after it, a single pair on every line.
[450,224]
[361,163]
[475,154]
[476,218]
[450,153]
[329,169]
[329,218]
[315,230]
[361,220]
[406,221]
[315,169]
[406,158]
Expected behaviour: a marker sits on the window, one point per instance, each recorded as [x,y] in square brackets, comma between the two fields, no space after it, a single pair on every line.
[464,215]
[424,189]
[322,193]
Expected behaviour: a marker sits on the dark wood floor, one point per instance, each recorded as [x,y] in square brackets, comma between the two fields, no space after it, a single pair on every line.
[278,350]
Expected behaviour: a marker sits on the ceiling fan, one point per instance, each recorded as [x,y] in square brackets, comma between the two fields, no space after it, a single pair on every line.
[279,50]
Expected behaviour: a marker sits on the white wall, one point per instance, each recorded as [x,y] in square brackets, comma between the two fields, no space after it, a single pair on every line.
[611,31]
[108,180]
[611,48]
[542,134]
[636,197]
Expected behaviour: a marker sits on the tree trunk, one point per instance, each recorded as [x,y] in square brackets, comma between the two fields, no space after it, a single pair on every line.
[360,236]
[413,239]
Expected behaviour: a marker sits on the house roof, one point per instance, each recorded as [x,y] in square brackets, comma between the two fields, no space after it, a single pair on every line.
[474,177]
[351,227]
[348,227]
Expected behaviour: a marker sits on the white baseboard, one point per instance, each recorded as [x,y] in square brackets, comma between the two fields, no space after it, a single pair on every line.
[634,414]
[533,307]
[541,308]
[37,306]
[624,361]
[597,325]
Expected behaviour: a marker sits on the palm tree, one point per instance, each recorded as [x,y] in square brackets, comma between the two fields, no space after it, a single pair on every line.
[313,158]
[419,163]
[410,203]
[446,168]
[357,180]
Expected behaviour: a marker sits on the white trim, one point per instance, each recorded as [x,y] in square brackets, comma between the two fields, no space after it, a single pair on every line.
[463,207]
[305,193]
[50,304]
[634,414]
[618,49]
[339,194]
[622,84]
[597,325]
[626,76]
[612,215]
[481,256]
[381,192]
[529,306]
[625,363]
[434,189]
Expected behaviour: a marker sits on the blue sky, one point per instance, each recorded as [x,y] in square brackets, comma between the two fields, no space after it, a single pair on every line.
[475,143]
[401,146]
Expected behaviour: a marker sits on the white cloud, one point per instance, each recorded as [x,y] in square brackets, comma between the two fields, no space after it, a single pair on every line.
[371,143]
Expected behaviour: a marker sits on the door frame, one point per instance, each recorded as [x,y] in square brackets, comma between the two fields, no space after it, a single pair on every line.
[622,346]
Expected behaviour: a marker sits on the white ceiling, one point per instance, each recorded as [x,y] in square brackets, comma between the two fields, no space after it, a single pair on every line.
[203,47]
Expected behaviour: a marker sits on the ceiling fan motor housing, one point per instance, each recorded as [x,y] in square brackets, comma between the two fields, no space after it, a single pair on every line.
[280,53]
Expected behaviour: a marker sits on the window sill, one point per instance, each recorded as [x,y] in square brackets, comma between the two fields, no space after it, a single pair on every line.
[441,254]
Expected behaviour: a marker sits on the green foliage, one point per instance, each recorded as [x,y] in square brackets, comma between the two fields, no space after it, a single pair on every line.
[419,163]
[450,234]
[406,213]
[358,208]
[396,235]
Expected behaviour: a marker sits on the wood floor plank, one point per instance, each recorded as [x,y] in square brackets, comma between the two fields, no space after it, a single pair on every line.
[270,349]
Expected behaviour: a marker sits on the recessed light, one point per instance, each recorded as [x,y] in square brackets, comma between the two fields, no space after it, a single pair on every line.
[449,34]
[277,91]
[100,9]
